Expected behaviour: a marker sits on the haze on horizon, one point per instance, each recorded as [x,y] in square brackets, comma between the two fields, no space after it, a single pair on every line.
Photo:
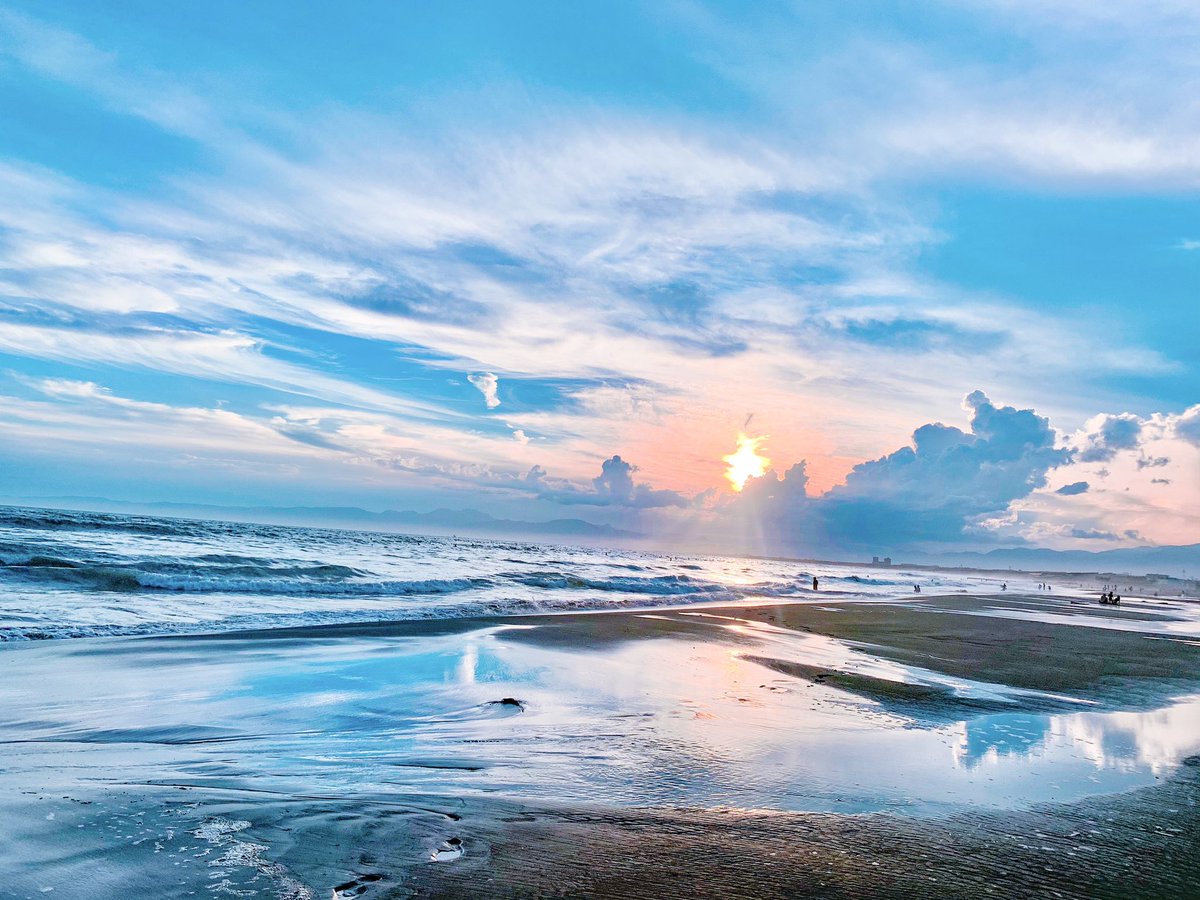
[926,275]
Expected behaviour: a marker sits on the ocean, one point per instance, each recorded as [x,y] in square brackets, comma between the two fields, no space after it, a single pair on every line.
[68,574]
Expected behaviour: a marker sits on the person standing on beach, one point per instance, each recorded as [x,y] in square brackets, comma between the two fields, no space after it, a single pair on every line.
[815,584]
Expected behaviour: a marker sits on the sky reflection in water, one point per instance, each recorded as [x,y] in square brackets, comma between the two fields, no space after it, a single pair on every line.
[654,721]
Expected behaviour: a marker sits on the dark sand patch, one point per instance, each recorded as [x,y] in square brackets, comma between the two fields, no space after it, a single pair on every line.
[1143,844]
[1095,663]
[915,700]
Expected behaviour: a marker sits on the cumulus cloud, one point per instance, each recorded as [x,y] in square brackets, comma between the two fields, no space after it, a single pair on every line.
[615,479]
[1187,426]
[487,384]
[1076,487]
[1125,460]
[934,490]
[1109,434]
[614,486]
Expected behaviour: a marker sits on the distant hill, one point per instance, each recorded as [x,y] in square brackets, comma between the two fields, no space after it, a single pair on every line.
[1173,560]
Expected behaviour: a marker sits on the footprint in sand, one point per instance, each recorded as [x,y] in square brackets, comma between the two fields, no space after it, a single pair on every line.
[451,850]
[356,887]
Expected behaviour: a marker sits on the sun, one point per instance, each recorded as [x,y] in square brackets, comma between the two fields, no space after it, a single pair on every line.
[745,462]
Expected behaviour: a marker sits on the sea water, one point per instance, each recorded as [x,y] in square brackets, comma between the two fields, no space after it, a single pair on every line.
[81,574]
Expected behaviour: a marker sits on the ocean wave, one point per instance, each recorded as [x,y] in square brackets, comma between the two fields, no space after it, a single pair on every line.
[322,579]
[291,586]
[659,584]
[476,609]
[66,520]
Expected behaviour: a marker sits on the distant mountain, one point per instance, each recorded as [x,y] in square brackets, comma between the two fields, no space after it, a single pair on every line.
[476,520]
[1172,560]
[439,521]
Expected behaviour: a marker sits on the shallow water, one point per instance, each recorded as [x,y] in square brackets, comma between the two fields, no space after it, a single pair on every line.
[662,721]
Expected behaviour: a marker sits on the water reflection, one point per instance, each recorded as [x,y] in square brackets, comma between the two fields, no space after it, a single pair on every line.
[1153,741]
[987,739]
[660,721]
[1157,740]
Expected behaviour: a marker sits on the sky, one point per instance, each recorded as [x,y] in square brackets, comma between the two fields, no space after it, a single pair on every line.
[934,264]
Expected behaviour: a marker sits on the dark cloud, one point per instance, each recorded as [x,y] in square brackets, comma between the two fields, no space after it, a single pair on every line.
[615,479]
[312,436]
[1188,426]
[1070,490]
[614,486]
[1121,432]
[930,492]
[1093,534]
[1153,462]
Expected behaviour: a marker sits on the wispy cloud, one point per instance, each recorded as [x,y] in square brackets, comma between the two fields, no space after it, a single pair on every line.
[669,271]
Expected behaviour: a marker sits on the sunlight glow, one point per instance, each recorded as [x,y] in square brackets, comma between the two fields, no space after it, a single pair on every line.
[745,462]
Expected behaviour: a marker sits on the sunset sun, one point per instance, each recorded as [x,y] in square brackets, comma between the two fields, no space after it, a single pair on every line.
[745,462]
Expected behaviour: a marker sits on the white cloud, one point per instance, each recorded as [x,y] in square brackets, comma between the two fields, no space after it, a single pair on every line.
[487,384]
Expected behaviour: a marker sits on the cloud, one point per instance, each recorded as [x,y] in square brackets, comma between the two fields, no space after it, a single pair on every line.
[1187,426]
[935,490]
[614,486]
[1126,460]
[1072,489]
[1092,534]
[1108,435]
[486,383]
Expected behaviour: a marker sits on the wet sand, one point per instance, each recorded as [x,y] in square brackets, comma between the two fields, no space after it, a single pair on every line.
[1022,746]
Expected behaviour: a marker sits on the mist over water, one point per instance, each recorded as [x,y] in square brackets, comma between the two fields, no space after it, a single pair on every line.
[79,574]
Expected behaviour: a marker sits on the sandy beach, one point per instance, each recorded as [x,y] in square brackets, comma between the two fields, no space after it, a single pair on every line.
[949,746]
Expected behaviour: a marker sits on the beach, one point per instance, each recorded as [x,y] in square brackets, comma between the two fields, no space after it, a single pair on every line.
[620,450]
[947,745]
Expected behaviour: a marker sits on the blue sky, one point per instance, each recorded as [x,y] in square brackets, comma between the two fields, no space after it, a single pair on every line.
[463,254]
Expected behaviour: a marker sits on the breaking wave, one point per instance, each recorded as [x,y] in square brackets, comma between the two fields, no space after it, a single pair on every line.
[78,574]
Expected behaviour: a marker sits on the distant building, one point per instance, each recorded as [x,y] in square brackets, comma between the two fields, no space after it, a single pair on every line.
[876,561]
